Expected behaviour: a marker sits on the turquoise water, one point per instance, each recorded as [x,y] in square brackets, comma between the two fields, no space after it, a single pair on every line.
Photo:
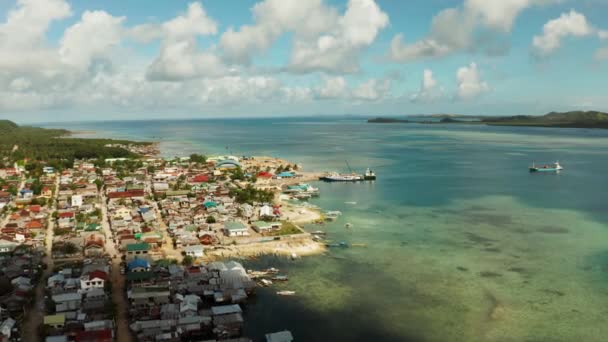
[463,243]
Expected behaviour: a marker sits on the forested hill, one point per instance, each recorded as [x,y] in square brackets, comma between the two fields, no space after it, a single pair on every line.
[53,145]
[589,119]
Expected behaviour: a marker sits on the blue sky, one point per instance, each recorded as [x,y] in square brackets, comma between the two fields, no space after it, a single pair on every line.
[101,59]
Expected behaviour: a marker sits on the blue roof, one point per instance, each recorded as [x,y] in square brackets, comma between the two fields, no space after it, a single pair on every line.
[228,162]
[144,210]
[210,204]
[285,174]
[137,262]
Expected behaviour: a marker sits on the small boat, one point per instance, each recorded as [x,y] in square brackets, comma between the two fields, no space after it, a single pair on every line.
[272,270]
[351,203]
[294,256]
[348,225]
[546,168]
[318,232]
[280,277]
[333,213]
[337,244]
[286,293]
[265,282]
[358,244]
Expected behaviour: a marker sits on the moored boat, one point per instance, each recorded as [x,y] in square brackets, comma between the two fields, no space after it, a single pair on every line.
[286,293]
[555,167]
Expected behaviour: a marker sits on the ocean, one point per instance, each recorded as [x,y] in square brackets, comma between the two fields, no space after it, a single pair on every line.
[463,243]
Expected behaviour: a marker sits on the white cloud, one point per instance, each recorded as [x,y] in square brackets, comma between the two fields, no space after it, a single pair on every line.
[90,38]
[306,19]
[602,34]
[500,14]
[429,89]
[372,90]
[453,29]
[323,40]
[333,87]
[601,54]
[337,51]
[180,57]
[470,84]
[572,24]
[22,35]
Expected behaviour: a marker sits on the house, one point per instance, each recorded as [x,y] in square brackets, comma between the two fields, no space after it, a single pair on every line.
[7,247]
[266,227]
[55,321]
[93,280]
[137,249]
[46,192]
[265,210]
[6,328]
[195,251]
[94,247]
[76,200]
[103,335]
[160,186]
[138,265]
[34,224]
[281,336]
[235,228]
[68,301]
[26,193]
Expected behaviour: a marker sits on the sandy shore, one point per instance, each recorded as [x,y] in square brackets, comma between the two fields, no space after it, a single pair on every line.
[303,247]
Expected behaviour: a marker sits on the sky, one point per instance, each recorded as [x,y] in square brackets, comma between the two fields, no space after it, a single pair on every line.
[80,60]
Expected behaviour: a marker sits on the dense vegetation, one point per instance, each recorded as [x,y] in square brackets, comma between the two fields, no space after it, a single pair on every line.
[580,119]
[252,195]
[590,119]
[52,146]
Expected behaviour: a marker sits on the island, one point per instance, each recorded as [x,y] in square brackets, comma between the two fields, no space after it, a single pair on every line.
[111,228]
[573,119]
[387,120]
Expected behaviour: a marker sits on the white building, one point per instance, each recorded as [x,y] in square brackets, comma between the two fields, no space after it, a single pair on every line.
[76,200]
[195,251]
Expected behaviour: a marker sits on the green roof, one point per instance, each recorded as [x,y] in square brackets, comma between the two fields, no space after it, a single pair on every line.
[177,192]
[235,225]
[92,227]
[266,224]
[134,247]
[54,319]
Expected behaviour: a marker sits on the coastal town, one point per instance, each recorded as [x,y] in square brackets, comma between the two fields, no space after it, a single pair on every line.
[145,249]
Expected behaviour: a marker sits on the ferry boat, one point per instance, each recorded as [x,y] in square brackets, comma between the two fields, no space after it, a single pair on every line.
[369,175]
[546,168]
[342,177]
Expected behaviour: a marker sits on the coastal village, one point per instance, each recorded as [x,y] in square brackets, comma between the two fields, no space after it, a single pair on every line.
[144,249]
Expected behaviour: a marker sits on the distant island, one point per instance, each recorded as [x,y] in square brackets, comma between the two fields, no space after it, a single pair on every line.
[573,119]
[56,148]
[387,120]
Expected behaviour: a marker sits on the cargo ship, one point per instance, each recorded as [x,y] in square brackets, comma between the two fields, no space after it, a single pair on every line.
[546,168]
[349,177]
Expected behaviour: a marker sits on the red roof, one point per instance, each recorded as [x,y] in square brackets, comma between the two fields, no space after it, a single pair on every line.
[98,274]
[126,194]
[67,214]
[35,208]
[265,174]
[201,179]
[104,335]
[4,194]
[33,225]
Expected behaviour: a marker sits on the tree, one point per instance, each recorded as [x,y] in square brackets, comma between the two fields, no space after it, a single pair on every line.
[99,184]
[187,261]
[197,158]
[210,219]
